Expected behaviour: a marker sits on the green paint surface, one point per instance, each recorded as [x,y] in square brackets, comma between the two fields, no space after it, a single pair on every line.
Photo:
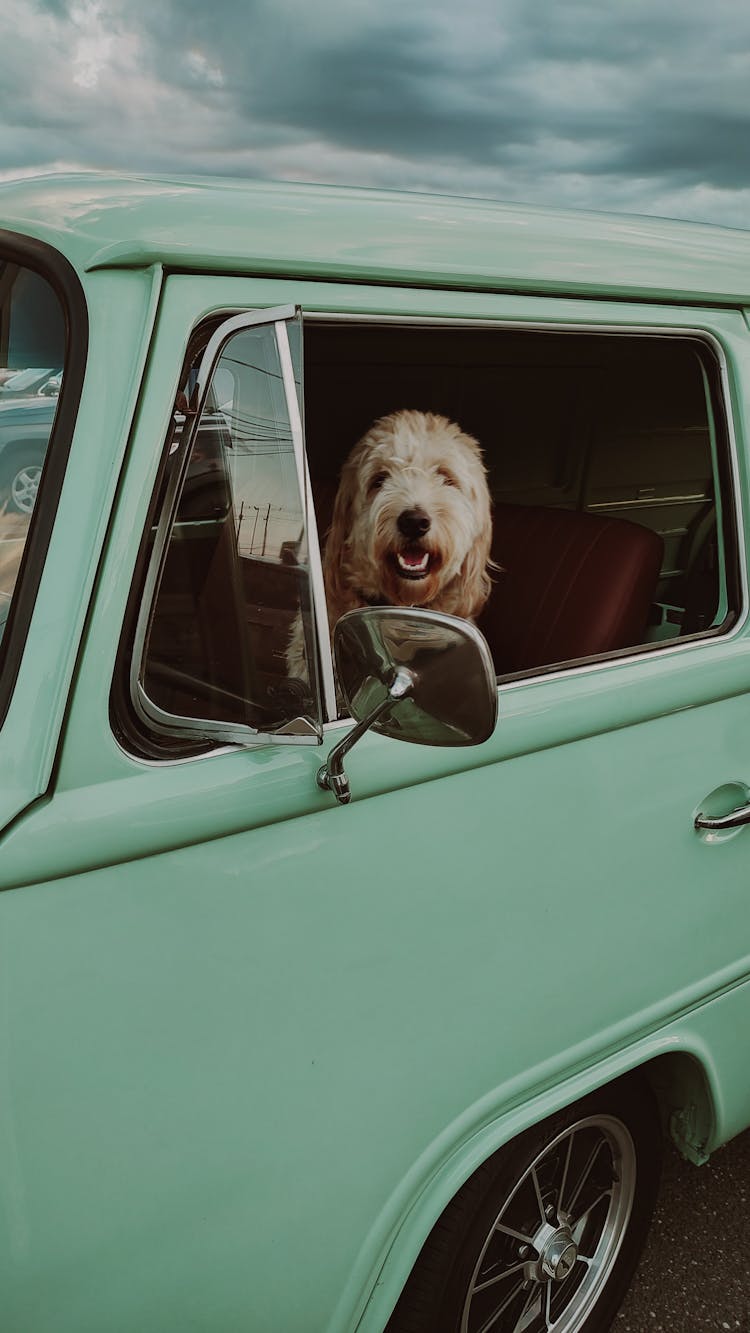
[251,1042]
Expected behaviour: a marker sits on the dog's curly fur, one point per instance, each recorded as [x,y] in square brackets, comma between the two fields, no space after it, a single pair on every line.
[412,470]
[411,524]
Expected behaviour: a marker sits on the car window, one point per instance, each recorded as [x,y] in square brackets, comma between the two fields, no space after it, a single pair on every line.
[32,352]
[608,464]
[229,559]
[611,529]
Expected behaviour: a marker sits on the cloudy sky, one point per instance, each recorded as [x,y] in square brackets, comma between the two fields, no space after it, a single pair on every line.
[642,105]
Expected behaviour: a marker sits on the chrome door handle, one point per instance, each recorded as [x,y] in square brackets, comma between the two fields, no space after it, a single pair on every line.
[734,819]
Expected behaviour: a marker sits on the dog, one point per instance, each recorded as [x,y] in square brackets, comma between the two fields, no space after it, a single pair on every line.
[412,521]
[411,524]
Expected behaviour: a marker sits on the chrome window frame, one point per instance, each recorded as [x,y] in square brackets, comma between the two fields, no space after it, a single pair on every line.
[300,730]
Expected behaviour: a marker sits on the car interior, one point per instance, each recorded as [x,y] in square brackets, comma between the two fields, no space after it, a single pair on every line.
[614,429]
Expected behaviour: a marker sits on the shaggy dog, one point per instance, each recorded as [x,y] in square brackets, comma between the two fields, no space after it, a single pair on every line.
[411,524]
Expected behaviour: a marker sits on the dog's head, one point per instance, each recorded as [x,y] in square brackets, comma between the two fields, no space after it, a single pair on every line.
[411,524]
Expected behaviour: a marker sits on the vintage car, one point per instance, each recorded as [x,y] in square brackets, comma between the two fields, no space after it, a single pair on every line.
[364,997]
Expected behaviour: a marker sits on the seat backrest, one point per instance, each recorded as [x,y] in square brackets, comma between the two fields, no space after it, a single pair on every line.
[572,585]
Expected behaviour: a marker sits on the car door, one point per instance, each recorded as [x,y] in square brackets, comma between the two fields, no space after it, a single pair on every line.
[254,1023]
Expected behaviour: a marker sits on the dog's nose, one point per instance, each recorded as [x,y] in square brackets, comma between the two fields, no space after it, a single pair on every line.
[413,523]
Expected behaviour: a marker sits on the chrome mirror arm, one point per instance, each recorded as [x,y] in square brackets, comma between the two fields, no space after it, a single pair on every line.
[331,775]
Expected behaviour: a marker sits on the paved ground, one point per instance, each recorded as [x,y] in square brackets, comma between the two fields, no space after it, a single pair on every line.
[695,1271]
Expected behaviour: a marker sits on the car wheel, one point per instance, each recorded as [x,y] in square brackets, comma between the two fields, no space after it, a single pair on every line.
[546,1234]
[19,482]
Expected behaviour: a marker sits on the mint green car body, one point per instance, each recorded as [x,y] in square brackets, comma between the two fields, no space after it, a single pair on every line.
[251,1043]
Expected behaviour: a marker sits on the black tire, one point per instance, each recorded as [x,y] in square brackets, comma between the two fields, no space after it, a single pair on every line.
[509,1226]
[19,480]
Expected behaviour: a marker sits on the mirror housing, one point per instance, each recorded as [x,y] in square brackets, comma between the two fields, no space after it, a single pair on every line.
[413,675]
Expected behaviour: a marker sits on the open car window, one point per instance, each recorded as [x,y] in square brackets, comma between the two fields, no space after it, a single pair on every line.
[609,465]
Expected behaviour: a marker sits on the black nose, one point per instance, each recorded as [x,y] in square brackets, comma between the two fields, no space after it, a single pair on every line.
[413,523]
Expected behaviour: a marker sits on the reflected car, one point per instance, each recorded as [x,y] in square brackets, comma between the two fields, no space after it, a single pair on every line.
[28,381]
[25,426]
[51,387]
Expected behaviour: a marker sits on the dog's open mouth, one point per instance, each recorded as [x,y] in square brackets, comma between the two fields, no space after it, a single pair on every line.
[413,562]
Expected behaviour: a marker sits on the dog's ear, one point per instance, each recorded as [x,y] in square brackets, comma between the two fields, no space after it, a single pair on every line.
[335,561]
[475,579]
[475,571]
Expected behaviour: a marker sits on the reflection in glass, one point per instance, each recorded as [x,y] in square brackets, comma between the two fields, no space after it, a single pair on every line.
[453,698]
[32,351]
[234,583]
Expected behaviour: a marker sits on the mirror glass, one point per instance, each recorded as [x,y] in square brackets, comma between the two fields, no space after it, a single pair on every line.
[453,697]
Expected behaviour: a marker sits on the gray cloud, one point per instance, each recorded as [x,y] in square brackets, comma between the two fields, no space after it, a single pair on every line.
[639,105]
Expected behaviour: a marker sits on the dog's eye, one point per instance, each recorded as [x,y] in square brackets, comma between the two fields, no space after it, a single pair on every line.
[377,481]
[447,476]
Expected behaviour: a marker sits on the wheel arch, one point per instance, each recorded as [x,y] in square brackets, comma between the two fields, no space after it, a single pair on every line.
[17,446]
[687,1100]
[680,1074]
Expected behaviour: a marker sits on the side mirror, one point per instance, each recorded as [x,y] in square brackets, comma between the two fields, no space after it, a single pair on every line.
[412,675]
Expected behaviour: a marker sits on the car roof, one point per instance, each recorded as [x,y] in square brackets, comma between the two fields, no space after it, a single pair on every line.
[340,233]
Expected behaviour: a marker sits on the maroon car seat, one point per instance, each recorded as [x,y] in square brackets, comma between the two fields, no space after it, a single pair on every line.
[572,585]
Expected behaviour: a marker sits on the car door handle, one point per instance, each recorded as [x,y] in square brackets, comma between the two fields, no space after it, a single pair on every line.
[735,819]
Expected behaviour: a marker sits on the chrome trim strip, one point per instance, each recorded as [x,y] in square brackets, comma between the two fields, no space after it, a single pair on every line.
[648,502]
[314,554]
[527,325]
[202,728]
[246,319]
[664,648]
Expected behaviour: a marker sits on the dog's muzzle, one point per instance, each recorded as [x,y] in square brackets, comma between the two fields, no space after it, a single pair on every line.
[413,560]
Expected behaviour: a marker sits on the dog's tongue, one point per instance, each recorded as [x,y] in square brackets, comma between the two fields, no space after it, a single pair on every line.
[413,560]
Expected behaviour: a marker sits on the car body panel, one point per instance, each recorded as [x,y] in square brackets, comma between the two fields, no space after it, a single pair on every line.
[248,1034]
[383,236]
[28,753]
[704,1038]
[217,973]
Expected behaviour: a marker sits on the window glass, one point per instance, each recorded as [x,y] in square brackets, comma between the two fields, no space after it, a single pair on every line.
[32,352]
[233,601]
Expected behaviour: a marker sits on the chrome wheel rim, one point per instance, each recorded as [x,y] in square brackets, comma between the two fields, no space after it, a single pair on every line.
[555,1240]
[24,487]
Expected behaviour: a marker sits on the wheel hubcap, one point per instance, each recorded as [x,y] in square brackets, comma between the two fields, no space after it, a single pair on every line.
[553,1245]
[24,487]
[559,1255]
